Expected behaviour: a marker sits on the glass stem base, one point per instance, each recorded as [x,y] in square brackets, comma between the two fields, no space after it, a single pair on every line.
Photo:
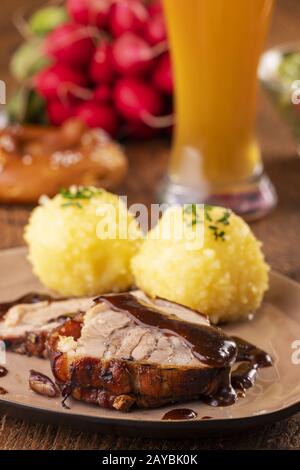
[251,199]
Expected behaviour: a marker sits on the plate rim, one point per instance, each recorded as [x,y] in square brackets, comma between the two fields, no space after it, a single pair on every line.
[170,428]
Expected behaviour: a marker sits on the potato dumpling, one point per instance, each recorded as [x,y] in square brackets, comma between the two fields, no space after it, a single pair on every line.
[81,242]
[225,278]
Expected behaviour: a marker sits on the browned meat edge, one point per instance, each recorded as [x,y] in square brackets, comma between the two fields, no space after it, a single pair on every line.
[148,385]
[34,343]
[31,344]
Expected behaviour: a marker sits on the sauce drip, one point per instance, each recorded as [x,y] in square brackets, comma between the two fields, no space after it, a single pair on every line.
[3,391]
[30,298]
[247,352]
[3,371]
[244,376]
[209,344]
[225,395]
[66,392]
[206,417]
[179,414]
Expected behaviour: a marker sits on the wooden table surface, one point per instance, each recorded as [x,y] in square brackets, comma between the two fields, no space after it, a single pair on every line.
[280,233]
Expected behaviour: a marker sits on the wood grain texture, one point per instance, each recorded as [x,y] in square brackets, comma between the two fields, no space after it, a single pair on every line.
[280,233]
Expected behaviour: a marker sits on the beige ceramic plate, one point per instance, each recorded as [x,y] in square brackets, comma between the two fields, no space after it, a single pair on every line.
[276,394]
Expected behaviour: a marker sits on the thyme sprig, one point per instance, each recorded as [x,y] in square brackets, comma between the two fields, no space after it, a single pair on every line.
[217,232]
[192,217]
[225,218]
[74,193]
[207,210]
[72,204]
[191,214]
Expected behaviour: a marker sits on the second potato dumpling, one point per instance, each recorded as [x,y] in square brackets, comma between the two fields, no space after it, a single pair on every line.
[225,278]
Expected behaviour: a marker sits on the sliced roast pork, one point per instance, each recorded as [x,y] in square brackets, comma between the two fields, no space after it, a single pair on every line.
[26,322]
[132,350]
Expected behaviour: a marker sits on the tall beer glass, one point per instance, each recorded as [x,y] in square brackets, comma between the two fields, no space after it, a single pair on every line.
[215,48]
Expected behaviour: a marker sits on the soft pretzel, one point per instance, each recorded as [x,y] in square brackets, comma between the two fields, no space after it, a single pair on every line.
[37,160]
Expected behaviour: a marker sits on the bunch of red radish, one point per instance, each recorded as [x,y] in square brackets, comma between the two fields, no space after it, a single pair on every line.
[111,67]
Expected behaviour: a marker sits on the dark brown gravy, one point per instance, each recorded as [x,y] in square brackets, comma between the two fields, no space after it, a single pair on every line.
[247,352]
[209,344]
[42,384]
[233,385]
[3,391]
[30,298]
[180,413]
[3,371]
[244,376]
[225,395]
[66,392]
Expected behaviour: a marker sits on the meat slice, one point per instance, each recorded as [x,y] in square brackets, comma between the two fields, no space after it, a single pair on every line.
[27,322]
[131,349]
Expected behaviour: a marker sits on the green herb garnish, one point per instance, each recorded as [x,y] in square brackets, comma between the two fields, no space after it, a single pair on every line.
[74,204]
[78,192]
[193,218]
[207,210]
[217,232]
[192,212]
[225,218]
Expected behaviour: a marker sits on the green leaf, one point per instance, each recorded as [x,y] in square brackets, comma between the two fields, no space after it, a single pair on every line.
[28,59]
[46,19]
